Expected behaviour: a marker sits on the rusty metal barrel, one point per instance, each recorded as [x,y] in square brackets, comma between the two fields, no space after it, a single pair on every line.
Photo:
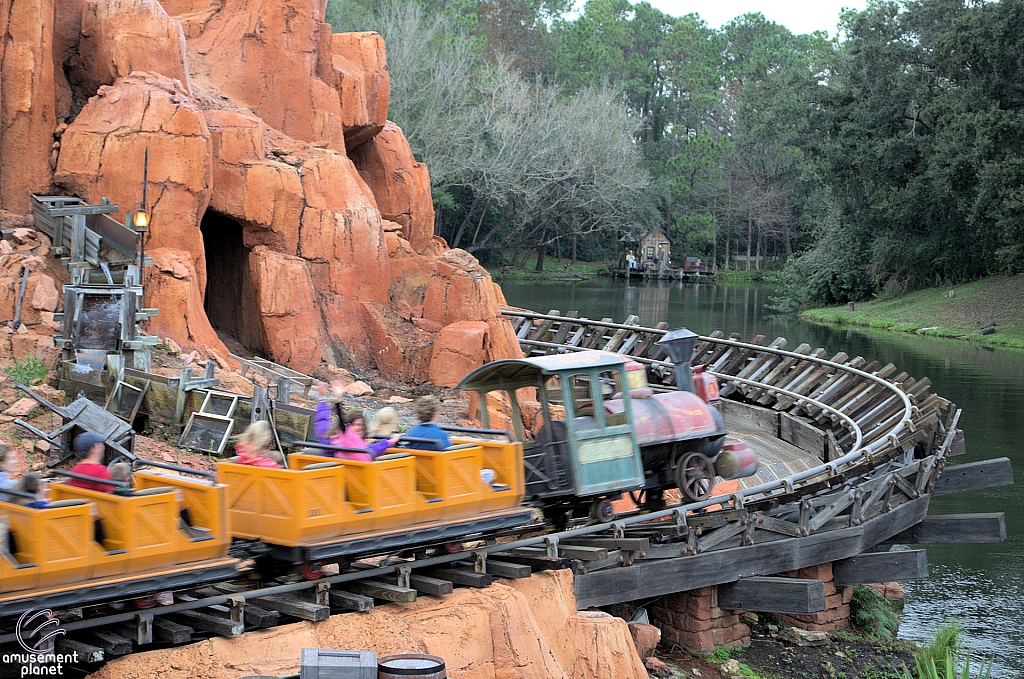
[405,665]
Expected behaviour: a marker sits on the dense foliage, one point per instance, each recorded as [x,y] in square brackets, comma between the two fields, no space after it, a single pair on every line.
[886,159]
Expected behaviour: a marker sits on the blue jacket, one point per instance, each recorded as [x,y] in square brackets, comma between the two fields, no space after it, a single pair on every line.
[429,430]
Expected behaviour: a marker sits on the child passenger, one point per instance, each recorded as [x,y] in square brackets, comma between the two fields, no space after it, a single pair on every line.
[253,446]
[352,437]
[427,410]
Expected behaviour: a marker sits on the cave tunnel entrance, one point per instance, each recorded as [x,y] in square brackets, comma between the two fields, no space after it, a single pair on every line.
[230,301]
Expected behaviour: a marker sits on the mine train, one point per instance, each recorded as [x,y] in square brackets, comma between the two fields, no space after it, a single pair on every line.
[600,432]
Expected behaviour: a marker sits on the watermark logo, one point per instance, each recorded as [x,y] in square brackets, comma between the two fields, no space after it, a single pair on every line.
[35,633]
[37,640]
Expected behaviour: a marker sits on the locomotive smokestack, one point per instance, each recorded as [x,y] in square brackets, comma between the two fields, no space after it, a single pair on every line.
[679,344]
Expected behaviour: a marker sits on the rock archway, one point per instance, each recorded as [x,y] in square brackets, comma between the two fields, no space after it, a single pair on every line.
[229,299]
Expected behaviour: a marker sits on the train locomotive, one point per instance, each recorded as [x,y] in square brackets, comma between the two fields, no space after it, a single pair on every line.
[600,432]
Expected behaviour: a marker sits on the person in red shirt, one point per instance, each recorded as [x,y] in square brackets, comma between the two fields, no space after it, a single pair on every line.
[90,446]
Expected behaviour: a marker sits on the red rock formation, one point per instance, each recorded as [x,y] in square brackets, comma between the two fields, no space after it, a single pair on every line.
[171,288]
[248,108]
[400,184]
[359,71]
[103,150]
[121,36]
[26,100]
[288,308]
[516,629]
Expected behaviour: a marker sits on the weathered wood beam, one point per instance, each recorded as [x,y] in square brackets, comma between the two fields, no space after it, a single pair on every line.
[665,576]
[881,567]
[111,643]
[503,569]
[955,529]
[975,476]
[773,595]
[463,577]
[350,601]
[383,590]
[87,653]
[297,608]
[210,623]
[627,544]
[537,563]
[171,632]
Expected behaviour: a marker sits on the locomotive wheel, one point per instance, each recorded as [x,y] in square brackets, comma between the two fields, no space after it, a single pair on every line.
[601,511]
[452,547]
[311,570]
[695,476]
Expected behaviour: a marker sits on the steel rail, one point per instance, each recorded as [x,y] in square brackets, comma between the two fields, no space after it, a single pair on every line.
[908,408]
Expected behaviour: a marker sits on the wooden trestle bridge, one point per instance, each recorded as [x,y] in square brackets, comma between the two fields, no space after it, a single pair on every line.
[851,453]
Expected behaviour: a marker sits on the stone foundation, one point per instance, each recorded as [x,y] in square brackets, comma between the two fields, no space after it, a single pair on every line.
[837,602]
[693,621]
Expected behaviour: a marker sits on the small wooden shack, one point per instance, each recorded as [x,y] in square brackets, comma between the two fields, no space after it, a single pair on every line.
[655,247]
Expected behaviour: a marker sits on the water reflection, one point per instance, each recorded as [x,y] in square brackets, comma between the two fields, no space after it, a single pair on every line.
[980,585]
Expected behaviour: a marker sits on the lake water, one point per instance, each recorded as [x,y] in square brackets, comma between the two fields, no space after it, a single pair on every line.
[981,586]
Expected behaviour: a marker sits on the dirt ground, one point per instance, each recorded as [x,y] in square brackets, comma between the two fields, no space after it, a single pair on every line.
[844,657]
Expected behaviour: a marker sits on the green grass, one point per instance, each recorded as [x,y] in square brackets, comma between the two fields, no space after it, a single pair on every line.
[27,370]
[742,275]
[554,269]
[999,299]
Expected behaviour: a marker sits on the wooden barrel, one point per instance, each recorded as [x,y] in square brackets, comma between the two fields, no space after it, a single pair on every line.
[404,665]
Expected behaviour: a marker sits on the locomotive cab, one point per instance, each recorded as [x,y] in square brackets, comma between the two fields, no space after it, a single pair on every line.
[580,449]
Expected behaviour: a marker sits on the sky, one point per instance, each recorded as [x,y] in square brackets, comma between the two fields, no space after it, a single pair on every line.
[799,16]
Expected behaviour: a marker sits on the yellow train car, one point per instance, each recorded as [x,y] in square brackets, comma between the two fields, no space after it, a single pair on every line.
[87,546]
[322,508]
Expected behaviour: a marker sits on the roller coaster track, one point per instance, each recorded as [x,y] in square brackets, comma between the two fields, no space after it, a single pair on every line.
[882,439]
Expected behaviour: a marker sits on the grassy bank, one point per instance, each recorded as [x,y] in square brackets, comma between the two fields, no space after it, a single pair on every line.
[555,269]
[959,312]
[753,276]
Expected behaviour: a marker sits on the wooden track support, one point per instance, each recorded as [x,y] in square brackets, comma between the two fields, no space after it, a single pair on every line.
[881,567]
[773,595]
[974,476]
[955,529]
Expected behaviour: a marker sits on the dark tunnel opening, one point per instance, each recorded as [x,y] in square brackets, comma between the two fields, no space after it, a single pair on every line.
[230,301]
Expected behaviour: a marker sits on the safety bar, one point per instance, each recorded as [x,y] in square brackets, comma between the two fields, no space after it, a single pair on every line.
[83,477]
[18,493]
[141,461]
[474,430]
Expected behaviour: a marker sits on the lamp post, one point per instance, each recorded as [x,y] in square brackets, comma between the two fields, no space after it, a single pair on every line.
[140,218]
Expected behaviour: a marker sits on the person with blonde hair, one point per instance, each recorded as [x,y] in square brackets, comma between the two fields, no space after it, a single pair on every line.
[385,423]
[253,446]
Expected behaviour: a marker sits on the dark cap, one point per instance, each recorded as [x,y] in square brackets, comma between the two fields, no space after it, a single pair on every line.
[85,441]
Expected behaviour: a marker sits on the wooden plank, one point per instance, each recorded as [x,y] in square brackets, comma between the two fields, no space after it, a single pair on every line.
[111,643]
[955,529]
[210,623]
[537,563]
[463,577]
[753,418]
[351,602]
[881,567]
[664,576]
[295,607]
[802,435]
[773,595]
[975,476]
[503,569]
[171,632]
[627,544]
[87,653]
[422,584]
[383,590]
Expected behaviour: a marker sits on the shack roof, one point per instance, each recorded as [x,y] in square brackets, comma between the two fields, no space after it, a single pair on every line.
[522,372]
